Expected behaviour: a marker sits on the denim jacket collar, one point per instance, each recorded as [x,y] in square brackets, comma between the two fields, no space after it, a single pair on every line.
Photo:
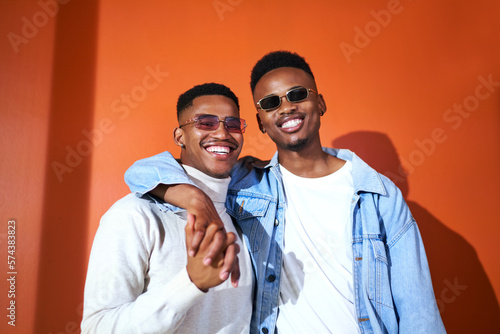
[365,178]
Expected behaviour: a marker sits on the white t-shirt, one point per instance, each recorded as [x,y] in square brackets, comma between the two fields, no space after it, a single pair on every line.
[316,289]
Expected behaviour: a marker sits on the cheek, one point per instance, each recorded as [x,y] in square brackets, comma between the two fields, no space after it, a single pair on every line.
[239,138]
[197,137]
[266,119]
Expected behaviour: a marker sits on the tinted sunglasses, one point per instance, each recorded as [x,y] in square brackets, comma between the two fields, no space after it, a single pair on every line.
[211,123]
[296,94]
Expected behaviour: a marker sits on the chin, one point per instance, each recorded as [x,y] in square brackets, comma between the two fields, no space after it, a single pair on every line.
[297,145]
[218,173]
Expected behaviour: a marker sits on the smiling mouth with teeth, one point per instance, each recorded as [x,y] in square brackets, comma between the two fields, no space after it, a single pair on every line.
[218,149]
[291,123]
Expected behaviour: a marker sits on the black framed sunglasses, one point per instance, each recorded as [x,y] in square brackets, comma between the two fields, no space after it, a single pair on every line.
[296,94]
[211,123]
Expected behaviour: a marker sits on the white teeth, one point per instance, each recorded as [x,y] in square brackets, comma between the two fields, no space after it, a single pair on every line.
[291,123]
[218,149]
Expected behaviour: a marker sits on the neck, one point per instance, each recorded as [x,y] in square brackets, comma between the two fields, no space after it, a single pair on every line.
[215,188]
[309,162]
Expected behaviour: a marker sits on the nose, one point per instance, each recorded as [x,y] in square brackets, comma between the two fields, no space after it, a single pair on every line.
[286,106]
[221,131]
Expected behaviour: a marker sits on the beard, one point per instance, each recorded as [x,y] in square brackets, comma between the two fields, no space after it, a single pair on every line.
[296,145]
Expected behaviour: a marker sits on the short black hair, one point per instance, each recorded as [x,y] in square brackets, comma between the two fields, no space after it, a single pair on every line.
[186,99]
[277,59]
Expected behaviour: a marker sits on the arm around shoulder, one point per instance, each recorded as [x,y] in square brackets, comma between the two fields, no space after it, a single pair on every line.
[146,174]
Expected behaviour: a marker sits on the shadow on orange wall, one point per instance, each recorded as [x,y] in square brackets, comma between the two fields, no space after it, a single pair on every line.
[63,253]
[464,293]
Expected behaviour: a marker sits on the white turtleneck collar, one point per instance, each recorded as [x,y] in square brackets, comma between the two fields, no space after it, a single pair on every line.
[215,188]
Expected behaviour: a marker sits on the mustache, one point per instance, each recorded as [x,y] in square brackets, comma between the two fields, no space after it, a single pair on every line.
[232,143]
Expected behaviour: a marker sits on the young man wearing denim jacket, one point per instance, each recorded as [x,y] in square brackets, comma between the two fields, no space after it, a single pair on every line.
[333,244]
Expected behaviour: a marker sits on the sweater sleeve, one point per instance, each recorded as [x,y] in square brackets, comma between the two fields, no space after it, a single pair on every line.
[116,296]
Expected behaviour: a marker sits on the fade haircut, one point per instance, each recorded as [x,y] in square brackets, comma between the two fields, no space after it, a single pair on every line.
[186,99]
[274,60]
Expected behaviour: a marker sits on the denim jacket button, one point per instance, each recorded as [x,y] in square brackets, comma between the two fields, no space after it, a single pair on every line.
[265,330]
[271,278]
[276,222]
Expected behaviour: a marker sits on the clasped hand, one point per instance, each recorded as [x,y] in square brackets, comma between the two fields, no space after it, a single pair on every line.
[212,253]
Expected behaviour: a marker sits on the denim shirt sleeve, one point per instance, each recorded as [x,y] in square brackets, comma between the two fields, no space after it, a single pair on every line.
[145,174]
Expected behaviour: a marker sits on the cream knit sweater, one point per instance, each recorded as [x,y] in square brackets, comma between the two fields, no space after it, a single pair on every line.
[137,280]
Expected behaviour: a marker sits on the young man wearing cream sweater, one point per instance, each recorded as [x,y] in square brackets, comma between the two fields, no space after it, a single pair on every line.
[140,278]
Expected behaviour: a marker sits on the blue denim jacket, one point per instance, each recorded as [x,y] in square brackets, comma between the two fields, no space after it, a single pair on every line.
[392,283]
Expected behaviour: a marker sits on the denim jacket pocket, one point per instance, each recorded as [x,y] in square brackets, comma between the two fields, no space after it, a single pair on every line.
[250,213]
[378,271]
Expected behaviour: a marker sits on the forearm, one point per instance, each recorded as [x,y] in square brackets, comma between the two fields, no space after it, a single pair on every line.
[412,285]
[162,176]
[184,196]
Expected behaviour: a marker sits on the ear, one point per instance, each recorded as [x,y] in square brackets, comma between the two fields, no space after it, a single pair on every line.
[261,127]
[321,105]
[179,137]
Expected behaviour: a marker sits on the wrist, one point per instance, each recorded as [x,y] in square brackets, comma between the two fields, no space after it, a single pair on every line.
[197,279]
[197,200]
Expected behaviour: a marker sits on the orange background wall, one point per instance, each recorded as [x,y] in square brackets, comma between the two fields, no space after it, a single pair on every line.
[88,87]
